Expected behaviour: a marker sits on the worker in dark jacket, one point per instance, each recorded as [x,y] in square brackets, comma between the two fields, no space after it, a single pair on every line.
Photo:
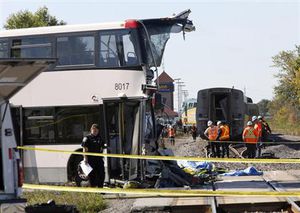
[94,143]
[266,130]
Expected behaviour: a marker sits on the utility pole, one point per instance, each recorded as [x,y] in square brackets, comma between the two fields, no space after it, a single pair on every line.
[185,94]
[179,88]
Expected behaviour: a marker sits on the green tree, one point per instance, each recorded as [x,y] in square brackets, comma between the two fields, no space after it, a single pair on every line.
[26,19]
[263,106]
[288,89]
[285,107]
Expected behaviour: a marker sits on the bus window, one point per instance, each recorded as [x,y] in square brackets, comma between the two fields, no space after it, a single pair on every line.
[4,48]
[129,51]
[37,47]
[76,50]
[118,49]
[39,126]
[73,123]
[108,51]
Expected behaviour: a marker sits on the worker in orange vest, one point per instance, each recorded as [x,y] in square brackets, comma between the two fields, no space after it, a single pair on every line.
[223,135]
[250,137]
[258,126]
[171,134]
[212,133]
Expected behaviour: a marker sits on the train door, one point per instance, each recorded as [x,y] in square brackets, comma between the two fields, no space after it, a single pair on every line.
[238,114]
[124,135]
[220,107]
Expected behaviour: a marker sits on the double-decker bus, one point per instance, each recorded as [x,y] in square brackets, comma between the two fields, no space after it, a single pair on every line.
[104,74]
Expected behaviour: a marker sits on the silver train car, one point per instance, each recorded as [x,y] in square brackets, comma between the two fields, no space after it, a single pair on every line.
[224,104]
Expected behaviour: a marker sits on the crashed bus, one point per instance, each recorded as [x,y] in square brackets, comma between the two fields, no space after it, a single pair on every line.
[224,104]
[104,74]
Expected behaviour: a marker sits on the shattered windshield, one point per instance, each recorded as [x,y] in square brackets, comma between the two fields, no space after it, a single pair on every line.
[159,34]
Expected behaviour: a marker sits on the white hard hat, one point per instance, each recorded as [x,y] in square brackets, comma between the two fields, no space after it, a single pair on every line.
[254,118]
[259,117]
[249,123]
[209,123]
[219,123]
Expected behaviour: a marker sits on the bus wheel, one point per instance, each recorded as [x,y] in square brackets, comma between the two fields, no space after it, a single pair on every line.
[73,168]
[81,179]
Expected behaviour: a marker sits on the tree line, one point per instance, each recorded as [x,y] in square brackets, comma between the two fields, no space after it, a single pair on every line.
[284,109]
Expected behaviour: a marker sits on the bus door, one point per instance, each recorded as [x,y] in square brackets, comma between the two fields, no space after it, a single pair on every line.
[124,135]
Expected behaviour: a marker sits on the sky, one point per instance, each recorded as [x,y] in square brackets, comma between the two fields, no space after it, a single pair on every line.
[232,46]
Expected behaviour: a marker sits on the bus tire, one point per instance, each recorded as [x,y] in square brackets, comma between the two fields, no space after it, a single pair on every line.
[73,167]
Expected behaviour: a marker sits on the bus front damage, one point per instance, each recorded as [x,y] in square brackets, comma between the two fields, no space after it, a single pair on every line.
[130,123]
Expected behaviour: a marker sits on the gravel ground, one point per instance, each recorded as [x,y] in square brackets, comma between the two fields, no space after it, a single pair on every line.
[186,147]
[118,205]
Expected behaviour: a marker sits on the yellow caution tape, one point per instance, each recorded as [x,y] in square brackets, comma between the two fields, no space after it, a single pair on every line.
[164,192]
[151,157]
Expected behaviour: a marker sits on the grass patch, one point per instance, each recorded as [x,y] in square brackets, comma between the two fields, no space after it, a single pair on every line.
[285,128]
[84,202]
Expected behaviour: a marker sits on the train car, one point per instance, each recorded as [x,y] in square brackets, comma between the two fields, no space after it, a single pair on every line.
[224,104]
[188,113]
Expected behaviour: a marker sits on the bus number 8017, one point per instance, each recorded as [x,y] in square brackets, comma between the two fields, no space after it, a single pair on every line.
[121,86]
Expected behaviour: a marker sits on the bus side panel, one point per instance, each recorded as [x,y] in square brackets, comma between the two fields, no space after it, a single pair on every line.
[238,113]
[90,86]
[47,167]
[202,111]
[8,144]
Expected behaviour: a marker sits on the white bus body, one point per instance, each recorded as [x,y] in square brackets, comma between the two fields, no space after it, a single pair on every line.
[103,75]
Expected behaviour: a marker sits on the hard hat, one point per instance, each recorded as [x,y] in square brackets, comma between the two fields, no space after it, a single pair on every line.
[254,118]
[249,123]
[219,123]
[259,117]
[209,123]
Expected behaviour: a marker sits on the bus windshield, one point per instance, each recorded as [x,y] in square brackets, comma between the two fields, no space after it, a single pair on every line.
[156,33]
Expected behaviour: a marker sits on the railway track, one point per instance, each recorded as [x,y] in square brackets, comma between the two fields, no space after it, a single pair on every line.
[269,182]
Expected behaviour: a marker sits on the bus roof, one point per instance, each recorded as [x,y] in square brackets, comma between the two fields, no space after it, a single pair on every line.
[181,18]
[62,29]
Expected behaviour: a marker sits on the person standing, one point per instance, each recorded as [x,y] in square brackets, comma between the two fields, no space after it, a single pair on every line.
[250,137]
[194,132]
[94,143]
[164,135]
[171,134]
[223,135]
[259,128]
[212,133]
[266,130]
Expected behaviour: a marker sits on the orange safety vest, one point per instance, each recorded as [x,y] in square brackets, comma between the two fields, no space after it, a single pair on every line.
[212,133]
[258,128]
[225,133]
[250,135]
[171,132]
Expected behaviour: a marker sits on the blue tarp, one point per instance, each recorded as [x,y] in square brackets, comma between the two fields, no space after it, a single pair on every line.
[246,172]
[195,165]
